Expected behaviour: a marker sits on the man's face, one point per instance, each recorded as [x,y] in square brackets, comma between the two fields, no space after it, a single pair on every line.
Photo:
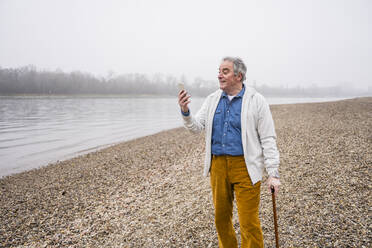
[228,81]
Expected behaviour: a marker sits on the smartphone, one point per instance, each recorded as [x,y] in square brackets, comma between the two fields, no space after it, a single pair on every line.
[181,86]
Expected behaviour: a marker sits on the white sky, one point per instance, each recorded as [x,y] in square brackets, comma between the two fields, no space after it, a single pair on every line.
[283,42]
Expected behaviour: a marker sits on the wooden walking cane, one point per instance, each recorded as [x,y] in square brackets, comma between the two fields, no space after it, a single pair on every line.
[275,217]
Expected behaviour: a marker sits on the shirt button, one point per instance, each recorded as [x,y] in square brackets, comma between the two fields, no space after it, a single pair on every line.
[224,134]
[223,145]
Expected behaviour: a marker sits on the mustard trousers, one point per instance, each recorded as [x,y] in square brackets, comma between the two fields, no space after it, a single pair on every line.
[229,175]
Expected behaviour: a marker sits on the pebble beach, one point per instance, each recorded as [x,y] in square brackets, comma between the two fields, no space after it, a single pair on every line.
[150,192]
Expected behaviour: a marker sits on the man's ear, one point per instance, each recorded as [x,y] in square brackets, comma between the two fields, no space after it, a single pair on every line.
[240,76]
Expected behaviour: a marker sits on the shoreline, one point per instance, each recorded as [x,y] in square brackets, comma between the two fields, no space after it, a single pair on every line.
[14,163]
[149,192]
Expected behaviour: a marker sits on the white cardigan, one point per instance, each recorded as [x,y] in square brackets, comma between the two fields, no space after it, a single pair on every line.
[257,128]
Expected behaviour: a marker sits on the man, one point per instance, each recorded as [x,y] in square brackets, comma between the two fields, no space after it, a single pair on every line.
[240,142]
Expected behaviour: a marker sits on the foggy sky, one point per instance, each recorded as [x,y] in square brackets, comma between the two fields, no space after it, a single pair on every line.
[283,42]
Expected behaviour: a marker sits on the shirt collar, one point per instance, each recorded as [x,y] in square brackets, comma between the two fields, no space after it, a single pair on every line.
[240,94]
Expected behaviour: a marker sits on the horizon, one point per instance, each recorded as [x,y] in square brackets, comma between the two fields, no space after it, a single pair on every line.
[31,81]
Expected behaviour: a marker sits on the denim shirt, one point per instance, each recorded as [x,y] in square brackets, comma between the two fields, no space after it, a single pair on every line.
[226,130]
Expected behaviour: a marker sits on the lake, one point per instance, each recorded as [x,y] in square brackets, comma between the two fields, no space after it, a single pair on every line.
[37,130]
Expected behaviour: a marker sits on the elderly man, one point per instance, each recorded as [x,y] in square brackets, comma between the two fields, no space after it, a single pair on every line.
[240,142]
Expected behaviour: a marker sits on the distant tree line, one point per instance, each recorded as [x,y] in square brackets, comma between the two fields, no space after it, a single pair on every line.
[29,80]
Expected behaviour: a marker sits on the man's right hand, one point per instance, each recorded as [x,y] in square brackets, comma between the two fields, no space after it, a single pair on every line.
[184,100]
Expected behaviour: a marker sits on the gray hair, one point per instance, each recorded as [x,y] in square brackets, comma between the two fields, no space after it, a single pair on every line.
[239,66]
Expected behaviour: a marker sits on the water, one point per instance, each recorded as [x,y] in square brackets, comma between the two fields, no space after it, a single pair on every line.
[37,130]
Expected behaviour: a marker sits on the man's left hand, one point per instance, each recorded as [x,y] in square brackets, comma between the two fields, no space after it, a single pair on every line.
[273,182]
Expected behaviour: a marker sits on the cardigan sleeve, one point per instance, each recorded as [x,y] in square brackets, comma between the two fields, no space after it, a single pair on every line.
[267,135]
[196,123]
